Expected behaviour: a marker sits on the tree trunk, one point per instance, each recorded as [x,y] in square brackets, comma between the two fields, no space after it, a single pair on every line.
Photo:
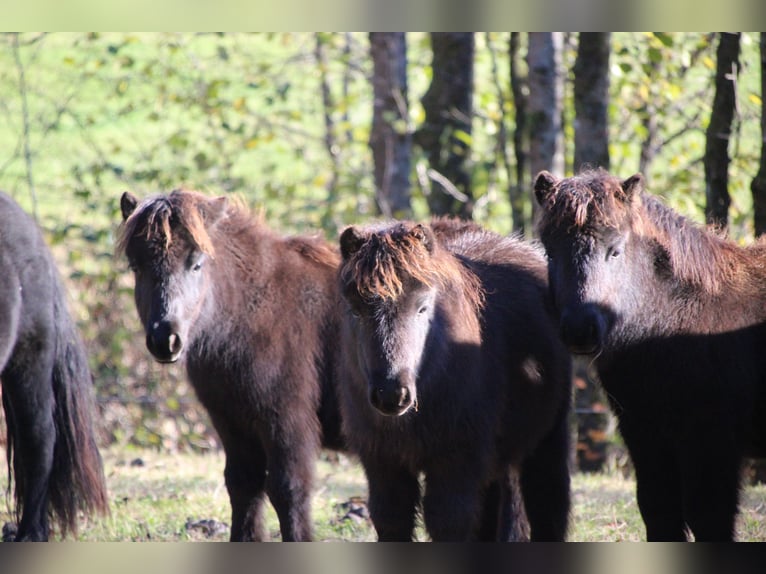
[591,149]
[519,87]
[330,138]
[591,99]
[719,131]
[758,185]
[445,135]
[545,105]
[390,138]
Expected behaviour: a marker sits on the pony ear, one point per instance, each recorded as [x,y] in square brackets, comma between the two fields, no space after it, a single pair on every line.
[424,235]
[128,203]
[213,210]
[351,240]
[633,186]
[545,184]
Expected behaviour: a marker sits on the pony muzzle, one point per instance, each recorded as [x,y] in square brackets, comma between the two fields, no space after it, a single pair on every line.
[583,329]
[393,398]
[164,342]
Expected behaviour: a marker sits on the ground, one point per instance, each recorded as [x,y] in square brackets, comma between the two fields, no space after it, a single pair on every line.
[156,496]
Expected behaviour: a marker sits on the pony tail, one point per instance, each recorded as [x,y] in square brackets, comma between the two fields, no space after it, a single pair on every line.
[77,479]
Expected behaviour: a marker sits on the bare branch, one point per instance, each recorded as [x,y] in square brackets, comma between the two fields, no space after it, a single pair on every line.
[25,121]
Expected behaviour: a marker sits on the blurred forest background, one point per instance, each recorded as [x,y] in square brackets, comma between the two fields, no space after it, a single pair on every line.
[327,129]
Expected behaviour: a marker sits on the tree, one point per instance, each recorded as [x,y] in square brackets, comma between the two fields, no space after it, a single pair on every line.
[719,131]
[545,104]
[519,89]
[330,138]
[445,135]
[758,185]
[591,138]
[390,138]
[591,99]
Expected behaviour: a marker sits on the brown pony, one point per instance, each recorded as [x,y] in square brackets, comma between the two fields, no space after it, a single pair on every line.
[453,370]
[674,318]
[253,316]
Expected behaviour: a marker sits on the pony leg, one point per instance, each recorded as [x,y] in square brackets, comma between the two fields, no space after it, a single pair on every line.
[245,476]
[502,517]
[394,493]
[29,404]
[711,478]
[289,483]
[545,485]
[452,502]
[487,530]
[658,484]
[513,525]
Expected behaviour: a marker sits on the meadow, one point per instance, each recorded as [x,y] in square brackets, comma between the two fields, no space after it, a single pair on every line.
[161,497]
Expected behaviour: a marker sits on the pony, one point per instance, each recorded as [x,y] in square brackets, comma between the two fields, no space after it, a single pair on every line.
[453,371]
[253,316]
[54,465]
[672,316]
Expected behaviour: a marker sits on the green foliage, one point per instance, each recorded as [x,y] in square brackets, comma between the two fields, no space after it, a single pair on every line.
[669,78]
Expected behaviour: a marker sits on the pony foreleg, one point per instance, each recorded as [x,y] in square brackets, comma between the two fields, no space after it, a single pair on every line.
[289,483]
[452,503]
[545,485]
[513,525]
[658,483]
[245,476]
[394,493]
[710,473]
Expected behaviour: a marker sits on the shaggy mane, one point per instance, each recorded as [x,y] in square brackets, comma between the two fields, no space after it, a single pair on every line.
[154,219]
[391,256]
[589,200]
[698,255]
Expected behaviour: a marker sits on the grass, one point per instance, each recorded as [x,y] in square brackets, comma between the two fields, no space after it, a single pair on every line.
[181,497]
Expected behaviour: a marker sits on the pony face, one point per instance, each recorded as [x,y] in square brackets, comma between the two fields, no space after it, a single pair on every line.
[171,264]
[390,343]
[586,228]
[391,296]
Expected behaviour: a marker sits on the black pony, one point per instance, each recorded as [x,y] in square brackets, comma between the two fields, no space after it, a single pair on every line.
[453,370]
[254,316]
[53,461]
[674,317]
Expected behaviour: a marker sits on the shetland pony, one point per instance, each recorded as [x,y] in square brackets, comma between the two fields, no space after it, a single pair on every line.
[453,371]
[253,315]
[673,316]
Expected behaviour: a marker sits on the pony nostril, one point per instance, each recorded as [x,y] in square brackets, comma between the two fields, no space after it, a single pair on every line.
[175,344]
[164,344]
[404,396]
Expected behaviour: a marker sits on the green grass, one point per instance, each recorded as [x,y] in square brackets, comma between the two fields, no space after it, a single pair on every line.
[154,501]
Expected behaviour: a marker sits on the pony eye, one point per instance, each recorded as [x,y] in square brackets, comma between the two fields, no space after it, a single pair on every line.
[423,309]
[613,252]
[196,263]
